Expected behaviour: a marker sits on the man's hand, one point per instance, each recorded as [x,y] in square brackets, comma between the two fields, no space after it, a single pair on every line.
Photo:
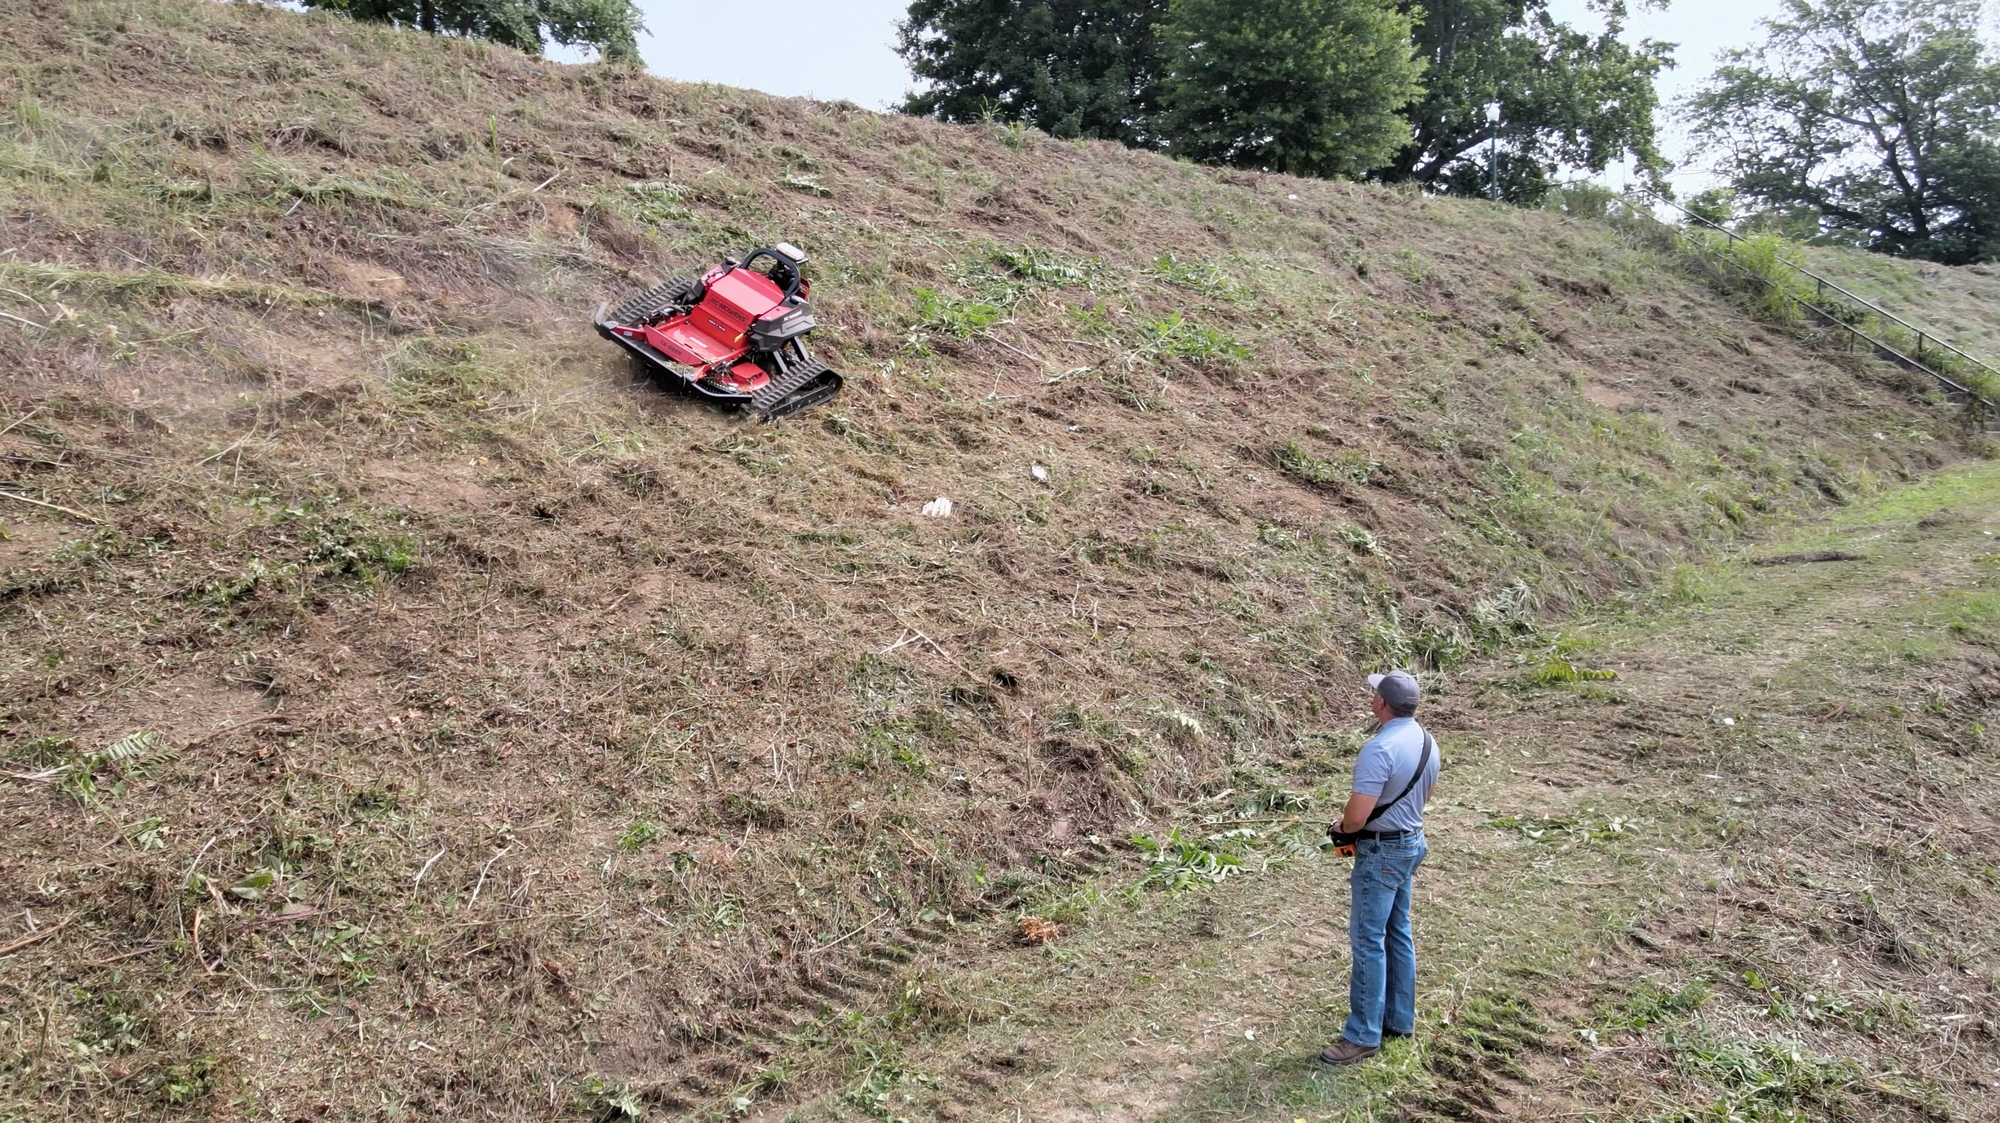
[1356,814]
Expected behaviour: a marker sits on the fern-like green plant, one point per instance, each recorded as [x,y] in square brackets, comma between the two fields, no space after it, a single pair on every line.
[87,777]
[1178,864]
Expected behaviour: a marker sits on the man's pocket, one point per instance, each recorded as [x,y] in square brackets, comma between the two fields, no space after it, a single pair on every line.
[1389,868]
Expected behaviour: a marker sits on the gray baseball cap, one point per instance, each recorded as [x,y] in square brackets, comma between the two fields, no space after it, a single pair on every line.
[1396,688]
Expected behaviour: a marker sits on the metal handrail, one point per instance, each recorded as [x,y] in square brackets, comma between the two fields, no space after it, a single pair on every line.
[1824,284]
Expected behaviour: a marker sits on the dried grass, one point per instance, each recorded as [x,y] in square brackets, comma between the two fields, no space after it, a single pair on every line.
[490,604]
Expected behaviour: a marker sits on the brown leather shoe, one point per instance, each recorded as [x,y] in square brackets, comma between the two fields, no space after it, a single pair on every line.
[1345,1052]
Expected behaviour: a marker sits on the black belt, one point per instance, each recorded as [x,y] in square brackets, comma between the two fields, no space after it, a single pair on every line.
[1383,836]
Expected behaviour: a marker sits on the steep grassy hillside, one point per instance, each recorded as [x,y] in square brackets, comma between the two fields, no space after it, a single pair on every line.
[1960,305]
[404,712]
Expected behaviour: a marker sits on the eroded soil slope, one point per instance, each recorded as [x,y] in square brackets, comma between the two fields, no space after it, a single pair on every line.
[403,711]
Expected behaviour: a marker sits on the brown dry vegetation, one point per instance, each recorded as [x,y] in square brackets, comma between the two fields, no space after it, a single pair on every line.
[523,740]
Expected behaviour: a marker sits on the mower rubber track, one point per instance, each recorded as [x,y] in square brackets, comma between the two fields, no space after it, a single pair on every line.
[665,295]
[808,382]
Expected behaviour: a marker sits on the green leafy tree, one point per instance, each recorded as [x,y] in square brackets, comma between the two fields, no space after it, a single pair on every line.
[1103,68]
[1311,87]
[1072,68]
[1570,101]
[610,26]
[1880,117]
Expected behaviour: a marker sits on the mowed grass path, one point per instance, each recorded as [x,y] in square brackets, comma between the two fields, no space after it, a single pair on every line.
[1751,876]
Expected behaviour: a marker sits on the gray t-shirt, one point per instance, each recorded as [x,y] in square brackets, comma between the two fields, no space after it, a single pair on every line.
[1386,764]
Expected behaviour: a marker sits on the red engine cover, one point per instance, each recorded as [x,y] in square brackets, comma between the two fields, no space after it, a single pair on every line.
[713,332]
[735,300]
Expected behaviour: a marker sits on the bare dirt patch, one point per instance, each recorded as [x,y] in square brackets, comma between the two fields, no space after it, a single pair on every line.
[1608,397]
[429,485]
[372,283]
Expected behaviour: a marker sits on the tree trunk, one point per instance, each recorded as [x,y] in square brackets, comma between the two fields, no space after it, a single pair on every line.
[427,16]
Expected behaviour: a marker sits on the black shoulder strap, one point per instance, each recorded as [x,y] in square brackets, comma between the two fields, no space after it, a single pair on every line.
[1423,762]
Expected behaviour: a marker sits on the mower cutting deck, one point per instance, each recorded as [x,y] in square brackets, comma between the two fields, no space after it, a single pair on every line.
[736,335]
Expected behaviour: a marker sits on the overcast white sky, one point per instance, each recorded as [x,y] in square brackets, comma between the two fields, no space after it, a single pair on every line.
[843,48]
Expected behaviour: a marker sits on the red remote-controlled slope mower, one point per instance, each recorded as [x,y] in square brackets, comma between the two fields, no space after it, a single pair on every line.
[737,335]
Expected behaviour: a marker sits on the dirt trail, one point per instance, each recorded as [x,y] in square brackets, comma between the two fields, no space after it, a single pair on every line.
[1740,720]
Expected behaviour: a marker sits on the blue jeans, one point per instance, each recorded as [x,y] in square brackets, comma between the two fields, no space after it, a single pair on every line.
[1382,988]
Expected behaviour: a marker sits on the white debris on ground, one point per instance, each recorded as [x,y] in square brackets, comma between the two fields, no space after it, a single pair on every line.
[937,508]
[1040,473]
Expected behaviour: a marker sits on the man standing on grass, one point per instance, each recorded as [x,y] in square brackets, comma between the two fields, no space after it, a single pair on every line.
[1382,828]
